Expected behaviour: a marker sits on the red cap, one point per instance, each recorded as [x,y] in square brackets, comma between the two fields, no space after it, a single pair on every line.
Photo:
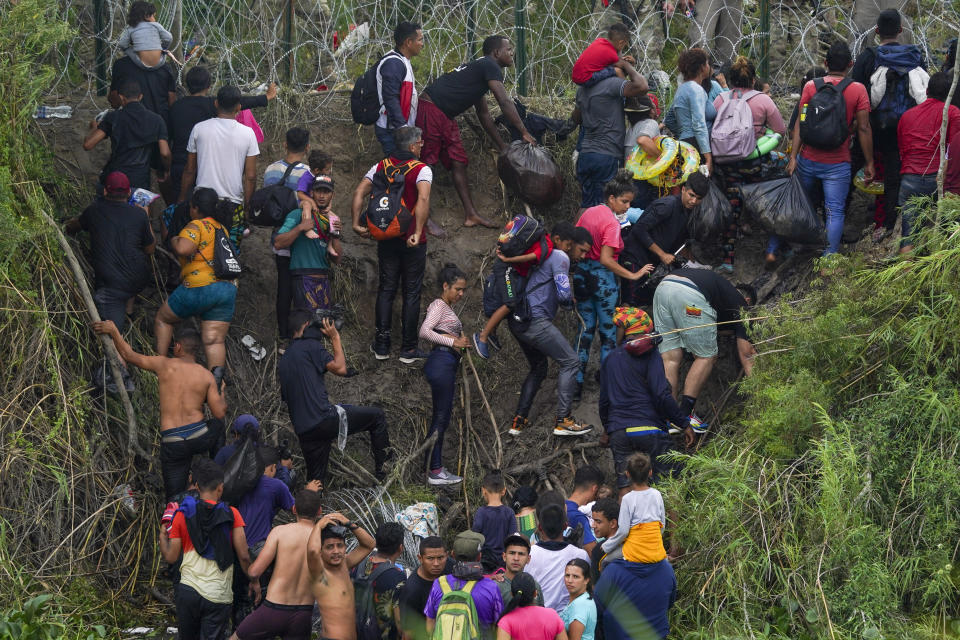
[116,182]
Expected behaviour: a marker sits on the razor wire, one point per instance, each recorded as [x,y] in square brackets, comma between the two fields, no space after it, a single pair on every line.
[318,47]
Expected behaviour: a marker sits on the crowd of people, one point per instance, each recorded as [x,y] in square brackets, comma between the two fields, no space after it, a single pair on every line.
[591,564]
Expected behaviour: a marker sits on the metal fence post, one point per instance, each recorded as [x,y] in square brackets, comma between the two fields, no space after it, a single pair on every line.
[765,40]
[288,39]
[471,29]
[520,24]
[99,47]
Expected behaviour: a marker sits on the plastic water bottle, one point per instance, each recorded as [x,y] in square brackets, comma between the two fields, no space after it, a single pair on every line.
[59,111]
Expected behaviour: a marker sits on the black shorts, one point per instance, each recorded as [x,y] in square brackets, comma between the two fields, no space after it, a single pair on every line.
[653,443]
[271,620]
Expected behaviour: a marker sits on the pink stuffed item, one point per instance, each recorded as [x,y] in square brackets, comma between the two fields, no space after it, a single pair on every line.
[245,117]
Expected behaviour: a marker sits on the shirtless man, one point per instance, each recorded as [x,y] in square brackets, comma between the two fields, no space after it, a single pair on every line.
[288,609]
[330,566]
[183,386]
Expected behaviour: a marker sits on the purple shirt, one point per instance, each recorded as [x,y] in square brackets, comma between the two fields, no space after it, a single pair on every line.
[486,598]
[259,506]
[303,184]
[495,523]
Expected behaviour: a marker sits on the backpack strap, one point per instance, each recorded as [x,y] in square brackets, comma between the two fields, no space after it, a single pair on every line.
[468,587]
[286,174]
[818,83]
[843,84]
[445,587]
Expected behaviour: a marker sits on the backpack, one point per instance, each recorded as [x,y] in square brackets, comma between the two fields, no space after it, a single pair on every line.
[270,205]
[242,470]
[368,628]
[225,264]
[364,98]
[457,614]
[732,137]
[519,235]
[823,120]
[387,215]
[899,82]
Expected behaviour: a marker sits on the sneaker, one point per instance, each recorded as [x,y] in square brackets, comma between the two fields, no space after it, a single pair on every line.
[698,425]
[442,477]
[570,427]
[674,429]
[380,352]
[494,342]
[518,425]
[412,356]
[482,350]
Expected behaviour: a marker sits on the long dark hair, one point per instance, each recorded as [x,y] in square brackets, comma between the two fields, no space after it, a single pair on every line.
[450,273]
[582,564]
[524,589]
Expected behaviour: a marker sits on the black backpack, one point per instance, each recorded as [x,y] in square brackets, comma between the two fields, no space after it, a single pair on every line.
[242,470]
[368,627]
[364,99]
[225,264]
[270,205]
[823,120]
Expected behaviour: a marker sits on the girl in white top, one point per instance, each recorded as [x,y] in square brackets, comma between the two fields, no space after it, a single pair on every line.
[443,329]
[642,517]
[144,40]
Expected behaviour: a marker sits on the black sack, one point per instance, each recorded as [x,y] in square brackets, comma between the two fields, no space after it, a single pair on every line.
[225,264]
[784,209]
[712,216]
[270,205]
[530,172]
[243,469]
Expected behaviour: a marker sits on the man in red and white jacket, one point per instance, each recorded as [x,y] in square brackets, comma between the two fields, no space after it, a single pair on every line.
[395,85]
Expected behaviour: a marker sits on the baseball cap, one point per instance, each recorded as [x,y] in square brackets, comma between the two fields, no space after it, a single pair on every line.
[467,545]
[638,104]
[244,420]
[322,182]
[116,182]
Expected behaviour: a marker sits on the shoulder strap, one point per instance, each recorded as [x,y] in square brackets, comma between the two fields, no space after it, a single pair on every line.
[818,83]
[445,587]
[752,93]
[843,84]
[468,587]
[286,174]
[379,570]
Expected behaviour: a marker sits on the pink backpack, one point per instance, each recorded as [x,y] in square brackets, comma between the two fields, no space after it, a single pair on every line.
[732,137]
[245,117]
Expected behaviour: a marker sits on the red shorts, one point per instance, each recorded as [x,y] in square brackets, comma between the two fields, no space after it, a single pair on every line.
[441,136]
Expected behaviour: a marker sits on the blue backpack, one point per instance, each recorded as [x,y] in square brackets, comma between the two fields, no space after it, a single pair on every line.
[890,94]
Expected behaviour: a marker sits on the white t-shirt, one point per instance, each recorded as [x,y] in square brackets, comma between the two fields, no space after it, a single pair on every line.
[425,175]
[646,127]
[547,566]
[222,146]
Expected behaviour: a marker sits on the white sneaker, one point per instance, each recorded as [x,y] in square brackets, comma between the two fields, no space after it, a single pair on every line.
[442,477]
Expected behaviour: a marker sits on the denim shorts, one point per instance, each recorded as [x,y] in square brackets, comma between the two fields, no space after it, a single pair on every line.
[214,302]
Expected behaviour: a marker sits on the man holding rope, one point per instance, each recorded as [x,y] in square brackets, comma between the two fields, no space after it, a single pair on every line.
[689,306]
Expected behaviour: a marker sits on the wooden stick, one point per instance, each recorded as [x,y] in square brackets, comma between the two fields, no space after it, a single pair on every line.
[402,464]
[493,420]
[539,462]
[113,356]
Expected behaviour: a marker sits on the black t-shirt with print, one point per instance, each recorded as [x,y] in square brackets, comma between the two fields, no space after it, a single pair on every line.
[133,132]
[456,91]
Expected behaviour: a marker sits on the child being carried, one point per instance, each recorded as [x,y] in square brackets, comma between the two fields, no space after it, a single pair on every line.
[642,517]
[144,40]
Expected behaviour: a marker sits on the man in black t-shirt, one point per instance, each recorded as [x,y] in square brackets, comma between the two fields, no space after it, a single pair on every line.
[120,242]
[453,93]
[315,419]
[136,135]
[158,84]
[689,307]
[412,597]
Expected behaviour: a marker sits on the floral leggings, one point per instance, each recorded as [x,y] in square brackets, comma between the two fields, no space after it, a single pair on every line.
[768,167]
[595,288]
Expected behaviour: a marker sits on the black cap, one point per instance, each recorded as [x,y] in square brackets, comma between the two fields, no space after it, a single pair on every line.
[322,182]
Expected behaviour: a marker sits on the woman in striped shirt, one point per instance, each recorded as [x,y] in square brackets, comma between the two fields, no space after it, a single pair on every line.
[443,329]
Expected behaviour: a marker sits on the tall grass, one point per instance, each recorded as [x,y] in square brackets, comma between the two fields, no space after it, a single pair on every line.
[831,509]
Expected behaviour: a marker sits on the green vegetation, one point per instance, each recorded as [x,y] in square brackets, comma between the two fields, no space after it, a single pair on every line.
[832,510]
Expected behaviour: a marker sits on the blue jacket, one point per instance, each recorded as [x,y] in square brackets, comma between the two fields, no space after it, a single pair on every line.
[634,392]
[635,598]
[687,116]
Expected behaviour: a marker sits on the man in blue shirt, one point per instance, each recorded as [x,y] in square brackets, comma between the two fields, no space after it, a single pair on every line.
[635,598]
[549,287]
[586,483]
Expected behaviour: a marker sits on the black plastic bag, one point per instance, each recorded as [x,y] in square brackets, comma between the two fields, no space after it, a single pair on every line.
[531,173]
[712,216]
[243,470]
[784,209]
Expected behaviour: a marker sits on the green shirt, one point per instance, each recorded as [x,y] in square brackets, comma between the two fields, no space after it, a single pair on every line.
[306,256]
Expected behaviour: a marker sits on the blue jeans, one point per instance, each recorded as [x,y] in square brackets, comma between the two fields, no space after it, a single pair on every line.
[594,171]
[596,291]
[912,184]
[385,137]
[539,341]
[441,371]
[835,180]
